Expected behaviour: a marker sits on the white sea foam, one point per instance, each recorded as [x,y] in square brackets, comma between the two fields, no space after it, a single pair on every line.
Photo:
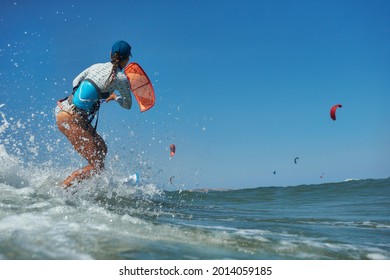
[4,123]
[376,256]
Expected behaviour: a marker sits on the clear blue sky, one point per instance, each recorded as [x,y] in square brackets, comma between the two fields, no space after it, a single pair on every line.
[242,87]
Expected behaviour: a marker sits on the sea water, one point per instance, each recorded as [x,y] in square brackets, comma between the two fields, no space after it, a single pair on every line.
[103,218]
[107,218]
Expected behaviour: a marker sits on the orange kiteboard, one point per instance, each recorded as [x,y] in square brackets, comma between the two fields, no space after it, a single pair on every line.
[141,86]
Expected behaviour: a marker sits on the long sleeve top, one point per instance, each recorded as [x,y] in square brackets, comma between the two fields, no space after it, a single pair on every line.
[99,73]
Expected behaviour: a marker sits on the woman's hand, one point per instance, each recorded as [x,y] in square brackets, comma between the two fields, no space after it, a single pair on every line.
[111,97]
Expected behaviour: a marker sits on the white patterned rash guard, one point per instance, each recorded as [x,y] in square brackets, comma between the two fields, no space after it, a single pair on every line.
[99,73]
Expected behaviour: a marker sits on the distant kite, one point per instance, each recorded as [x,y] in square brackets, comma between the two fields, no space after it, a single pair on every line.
[171,179]
[333,111]
[172,149]
[295,160]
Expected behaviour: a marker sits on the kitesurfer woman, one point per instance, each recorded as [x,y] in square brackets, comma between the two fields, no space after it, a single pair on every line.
[74,114]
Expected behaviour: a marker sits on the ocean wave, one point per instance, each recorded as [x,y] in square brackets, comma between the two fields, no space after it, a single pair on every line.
[106,218]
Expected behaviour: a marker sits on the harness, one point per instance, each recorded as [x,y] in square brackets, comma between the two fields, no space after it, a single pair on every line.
[85,100]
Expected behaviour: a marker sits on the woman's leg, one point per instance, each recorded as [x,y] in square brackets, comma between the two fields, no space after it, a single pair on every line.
[88,144]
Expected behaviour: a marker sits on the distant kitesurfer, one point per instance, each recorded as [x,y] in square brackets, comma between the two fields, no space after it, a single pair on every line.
[75,113]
